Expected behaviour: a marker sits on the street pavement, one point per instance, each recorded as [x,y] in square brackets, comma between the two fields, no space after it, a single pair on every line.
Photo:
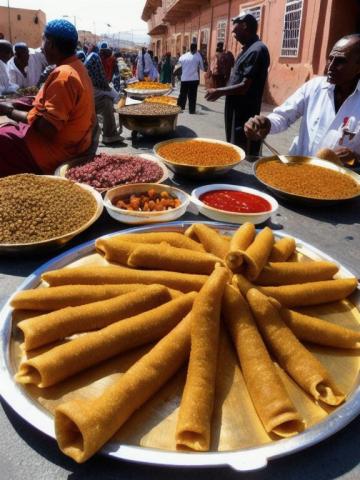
[207,122]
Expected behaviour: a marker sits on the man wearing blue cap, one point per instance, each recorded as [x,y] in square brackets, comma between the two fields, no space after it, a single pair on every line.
[246,84]
[60,124]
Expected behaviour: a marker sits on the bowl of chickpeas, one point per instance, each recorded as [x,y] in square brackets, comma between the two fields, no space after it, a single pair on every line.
[141,203]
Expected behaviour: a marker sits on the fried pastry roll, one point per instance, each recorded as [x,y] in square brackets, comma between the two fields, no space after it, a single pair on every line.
[282,250]
[87,350]
[55,298]
[292,356]
[82,427]
[174,239]
[303,294]
[115,249]
[270,398]
[240,241]
[209,238]
[311,329]
[193,429]
[63,323]
[287,273]
[95,275]
[165,257]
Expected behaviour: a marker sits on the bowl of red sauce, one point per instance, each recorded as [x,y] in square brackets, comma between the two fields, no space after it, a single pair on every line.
[233,203]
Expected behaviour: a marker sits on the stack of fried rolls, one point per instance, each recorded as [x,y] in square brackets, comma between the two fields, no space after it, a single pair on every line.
[177,290]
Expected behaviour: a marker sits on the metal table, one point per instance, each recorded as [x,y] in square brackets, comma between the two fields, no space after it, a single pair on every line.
[26,453]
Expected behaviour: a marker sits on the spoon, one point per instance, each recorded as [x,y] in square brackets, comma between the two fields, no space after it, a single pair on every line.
[282,158]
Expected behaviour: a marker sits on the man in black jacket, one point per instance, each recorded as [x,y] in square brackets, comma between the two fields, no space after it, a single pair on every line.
[246,84]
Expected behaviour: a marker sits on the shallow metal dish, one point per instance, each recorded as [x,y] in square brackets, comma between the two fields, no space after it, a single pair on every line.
[196,170]
[300,198]
[245,459]
[143,93]
[62,169]
[56,242]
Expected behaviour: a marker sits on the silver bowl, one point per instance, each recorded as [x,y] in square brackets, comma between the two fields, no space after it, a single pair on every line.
[198,171]
[301,199]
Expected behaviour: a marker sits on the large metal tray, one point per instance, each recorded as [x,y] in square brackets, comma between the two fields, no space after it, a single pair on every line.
[243,459]
[301,199]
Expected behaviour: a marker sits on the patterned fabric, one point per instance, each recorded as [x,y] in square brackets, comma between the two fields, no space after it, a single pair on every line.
[96,72]
[61,29]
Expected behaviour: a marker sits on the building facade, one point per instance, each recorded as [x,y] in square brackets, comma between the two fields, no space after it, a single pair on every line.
[22,25]
[298,33]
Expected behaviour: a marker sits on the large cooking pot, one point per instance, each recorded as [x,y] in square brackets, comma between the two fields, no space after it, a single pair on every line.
[149,124]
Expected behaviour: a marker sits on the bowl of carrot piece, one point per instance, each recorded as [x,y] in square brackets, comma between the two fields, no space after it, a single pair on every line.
[141,203]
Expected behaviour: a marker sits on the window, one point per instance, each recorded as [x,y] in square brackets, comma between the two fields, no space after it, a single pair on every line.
[292,27]
[221,31]
[18,16]
[254,11]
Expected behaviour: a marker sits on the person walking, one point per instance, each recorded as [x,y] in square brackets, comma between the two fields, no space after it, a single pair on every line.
[191,63]
[246,84]
[166,69]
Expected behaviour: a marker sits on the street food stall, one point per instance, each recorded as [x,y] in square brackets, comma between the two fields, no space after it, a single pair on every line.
[294,258]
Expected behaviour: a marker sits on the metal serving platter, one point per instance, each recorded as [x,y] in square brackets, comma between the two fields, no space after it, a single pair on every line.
[64,167]
[56,242]
[244,459]
[300,199]
[196,170]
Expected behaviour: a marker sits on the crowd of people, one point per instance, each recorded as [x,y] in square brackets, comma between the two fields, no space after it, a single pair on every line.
[80,82]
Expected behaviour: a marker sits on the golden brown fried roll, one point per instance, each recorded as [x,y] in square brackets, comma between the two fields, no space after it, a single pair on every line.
[322,332]
[82,427]
[287,273]
[174,239]
[271,400]
[115,249]
[165,257]
[292,356]
[95,275]
[87,350]
[303,294]
[282,250]
[63,323]
[55,298]
[194,421]
[240,241]
[210,238]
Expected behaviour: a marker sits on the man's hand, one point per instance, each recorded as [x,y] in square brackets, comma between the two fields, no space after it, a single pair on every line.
[347,156]
[213,94]
[256,128]
[6,108]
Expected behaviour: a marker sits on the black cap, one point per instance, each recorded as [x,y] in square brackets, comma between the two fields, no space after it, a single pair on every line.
[247,18]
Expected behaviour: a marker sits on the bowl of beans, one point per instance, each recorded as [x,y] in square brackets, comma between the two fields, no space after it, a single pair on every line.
[198,157]
[105,171]
[41,212]
[233,203]
[146,203]
[308,180]
[149,118]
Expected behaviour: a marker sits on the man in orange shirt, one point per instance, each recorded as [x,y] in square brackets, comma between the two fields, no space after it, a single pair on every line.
[60,124]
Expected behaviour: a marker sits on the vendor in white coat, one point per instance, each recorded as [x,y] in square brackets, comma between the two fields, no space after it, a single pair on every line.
[18,65]
[329,107]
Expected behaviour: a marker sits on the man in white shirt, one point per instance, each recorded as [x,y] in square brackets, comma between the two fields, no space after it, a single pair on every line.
[5,54]
[37,64]
[144,64]
[329,107]
[191,63]
[18,64]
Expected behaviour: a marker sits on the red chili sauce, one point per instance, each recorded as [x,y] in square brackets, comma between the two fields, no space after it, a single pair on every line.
[235,201]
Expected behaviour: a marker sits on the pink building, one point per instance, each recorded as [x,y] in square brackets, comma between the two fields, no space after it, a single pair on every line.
[298,33]
[22,25]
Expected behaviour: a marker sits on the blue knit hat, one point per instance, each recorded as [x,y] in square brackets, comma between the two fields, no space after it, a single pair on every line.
[61,29]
